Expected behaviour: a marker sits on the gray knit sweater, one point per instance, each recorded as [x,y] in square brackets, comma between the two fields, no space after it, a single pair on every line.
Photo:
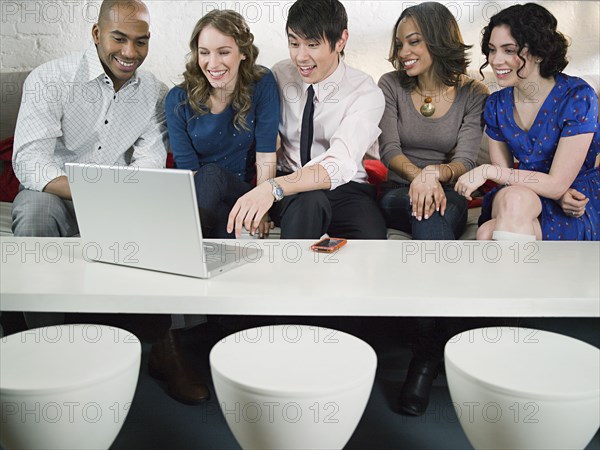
[454,137]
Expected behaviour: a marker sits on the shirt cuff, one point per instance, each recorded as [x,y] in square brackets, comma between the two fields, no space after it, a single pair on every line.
[37,177]
[339,173]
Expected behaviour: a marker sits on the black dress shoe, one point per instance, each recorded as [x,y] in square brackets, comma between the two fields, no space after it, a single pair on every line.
[414,396]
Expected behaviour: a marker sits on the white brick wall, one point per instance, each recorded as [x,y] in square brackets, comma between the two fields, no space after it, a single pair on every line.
[35,31]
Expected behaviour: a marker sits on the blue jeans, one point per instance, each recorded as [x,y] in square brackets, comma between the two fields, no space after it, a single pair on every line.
[397,211]
[432,333]
[217,190]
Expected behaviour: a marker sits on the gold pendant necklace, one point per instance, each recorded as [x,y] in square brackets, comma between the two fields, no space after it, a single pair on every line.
[427,108]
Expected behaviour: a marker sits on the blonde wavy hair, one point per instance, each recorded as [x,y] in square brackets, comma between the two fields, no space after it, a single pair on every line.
[198,88]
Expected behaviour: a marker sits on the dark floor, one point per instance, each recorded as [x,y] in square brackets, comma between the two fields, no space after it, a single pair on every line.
[155,421]
[158,422]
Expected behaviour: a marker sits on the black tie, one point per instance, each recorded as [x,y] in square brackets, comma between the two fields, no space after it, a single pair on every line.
[306,132]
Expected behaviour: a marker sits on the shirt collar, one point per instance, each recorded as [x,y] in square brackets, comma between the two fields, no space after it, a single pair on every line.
[92,61]
[95,69]
[323,87]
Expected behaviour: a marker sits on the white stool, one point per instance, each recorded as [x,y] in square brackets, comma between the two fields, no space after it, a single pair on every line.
[292,386]
[66,387]
[518,388]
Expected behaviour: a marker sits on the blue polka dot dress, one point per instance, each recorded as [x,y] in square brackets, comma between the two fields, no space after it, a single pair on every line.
[570,109]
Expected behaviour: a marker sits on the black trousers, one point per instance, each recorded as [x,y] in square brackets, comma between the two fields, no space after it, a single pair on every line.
[432,334]
[349,211]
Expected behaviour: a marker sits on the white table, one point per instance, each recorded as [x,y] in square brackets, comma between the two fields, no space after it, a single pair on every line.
[365,278]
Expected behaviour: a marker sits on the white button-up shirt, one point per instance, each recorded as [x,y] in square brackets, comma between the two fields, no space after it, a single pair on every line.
[70,112]
[348,108]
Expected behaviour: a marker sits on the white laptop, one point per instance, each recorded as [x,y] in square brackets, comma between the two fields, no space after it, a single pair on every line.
[148,219]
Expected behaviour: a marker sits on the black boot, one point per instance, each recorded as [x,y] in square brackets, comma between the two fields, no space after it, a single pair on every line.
[414,396]
[168,363]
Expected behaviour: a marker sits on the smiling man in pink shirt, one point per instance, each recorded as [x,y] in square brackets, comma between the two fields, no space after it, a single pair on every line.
[330,119]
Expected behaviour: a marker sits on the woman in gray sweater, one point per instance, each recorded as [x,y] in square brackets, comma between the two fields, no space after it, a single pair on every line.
[430,134]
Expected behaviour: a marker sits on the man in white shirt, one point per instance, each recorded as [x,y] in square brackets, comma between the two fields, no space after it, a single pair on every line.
[96,107]
[326,189]
[93,107]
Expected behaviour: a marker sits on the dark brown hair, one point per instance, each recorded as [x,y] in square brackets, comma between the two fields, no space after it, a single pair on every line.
[444,42]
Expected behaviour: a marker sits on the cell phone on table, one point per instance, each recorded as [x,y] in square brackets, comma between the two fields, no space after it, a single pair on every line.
[328,245]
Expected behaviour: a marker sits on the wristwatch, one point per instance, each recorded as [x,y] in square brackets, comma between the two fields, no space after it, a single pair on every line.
[277,190]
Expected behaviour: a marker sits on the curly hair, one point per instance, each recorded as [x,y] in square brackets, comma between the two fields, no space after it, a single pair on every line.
[534,28]
[443,39]
[195,83]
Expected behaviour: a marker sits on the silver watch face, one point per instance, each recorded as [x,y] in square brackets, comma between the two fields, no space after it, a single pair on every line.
[277,192]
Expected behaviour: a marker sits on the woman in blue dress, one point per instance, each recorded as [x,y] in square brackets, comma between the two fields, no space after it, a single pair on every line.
[546,120]
[223,119]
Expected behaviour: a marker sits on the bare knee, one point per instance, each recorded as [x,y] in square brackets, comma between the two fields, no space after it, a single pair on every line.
[484,232]
[516,204]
